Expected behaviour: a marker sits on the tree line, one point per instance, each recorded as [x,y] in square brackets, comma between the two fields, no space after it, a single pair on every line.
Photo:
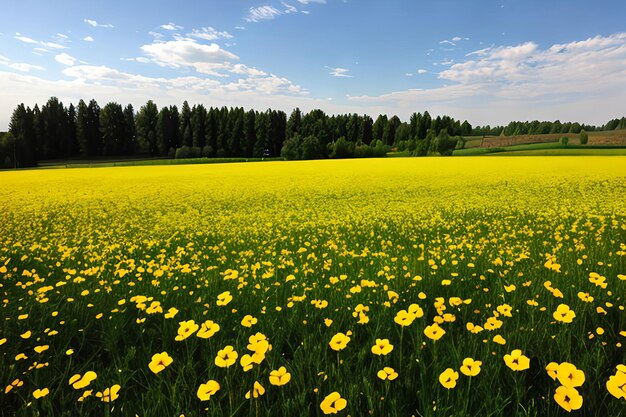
[87,130]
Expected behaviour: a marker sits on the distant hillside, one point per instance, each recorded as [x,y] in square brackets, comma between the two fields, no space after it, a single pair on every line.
[603,138]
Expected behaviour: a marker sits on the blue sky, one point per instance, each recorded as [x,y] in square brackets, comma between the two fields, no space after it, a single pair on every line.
[488,61]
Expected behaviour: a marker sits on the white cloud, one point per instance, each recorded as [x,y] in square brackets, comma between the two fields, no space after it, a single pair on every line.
[44,50]
[209,34]
[256,14]
[421,71]
[339,72]
[289,8]
[53,45]
[107,84]
[578,81]
[240,27]
[447,42]
[207,59]
[96,24]
[18,66]
[65,59]
[60,35]
[171,26]
[24,39]
[88,39]
[305,2]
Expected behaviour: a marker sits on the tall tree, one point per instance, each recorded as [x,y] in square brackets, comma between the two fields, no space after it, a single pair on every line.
[130,137]
[249,133]
[379,126]
[112,128]
[81,128]
[94,137]
[22,129]
[293,124]
[147,127]
[72,142]
[185,125]
[366,130]
[198,121]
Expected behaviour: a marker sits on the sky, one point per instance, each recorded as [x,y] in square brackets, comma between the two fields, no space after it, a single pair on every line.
[487,61]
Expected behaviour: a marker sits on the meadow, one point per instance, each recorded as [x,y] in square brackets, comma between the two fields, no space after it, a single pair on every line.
[401,286]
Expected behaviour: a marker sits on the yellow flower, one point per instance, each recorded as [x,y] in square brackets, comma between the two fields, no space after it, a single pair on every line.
[226,357]
[171,313]
[552,368]
[224,298]
[434,332]
[387,373]
[257,391]
[470,367]
[159,362]
[259,343]
[416,311]
[186,329]
[26,334]
[339,341]
[568,398]
[333,403]
[206,390]
[109,394]
[39,393]
[499,340]
[382,347]
[517,361]
[280,376]
[448,378]
[40,349]
[78,382]
[246,362]
[208,329]
[249,321]
[328,322]
[616,385]
[404,318]
[569,376]
[564,314]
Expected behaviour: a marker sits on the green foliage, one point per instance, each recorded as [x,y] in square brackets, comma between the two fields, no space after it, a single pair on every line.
[564,140]
[311,148]
[342,149]
[291,149]
[584,137]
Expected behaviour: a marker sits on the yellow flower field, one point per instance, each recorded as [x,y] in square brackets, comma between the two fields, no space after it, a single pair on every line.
[417,286]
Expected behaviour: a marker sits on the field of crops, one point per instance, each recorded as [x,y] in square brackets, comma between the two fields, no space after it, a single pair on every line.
[406,286]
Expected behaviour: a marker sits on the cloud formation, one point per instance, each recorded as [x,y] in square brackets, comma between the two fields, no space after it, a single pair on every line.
[65,59]
[573,81]
[339,72]
[95,24]
[257,14]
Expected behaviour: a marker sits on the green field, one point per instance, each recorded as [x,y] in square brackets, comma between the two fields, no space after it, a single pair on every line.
[327,278]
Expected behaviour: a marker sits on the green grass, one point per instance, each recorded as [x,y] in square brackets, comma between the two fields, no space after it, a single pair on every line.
[554,148]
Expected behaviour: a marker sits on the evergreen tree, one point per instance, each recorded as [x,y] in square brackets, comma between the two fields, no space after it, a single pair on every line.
[112,128]
[293,124]
[94,138]
[72,142]
[250,133]
[147,119]
[129,145]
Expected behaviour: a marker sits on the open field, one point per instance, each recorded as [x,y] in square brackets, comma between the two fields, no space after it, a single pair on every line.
[600,138]
[548,148]
[345,273]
